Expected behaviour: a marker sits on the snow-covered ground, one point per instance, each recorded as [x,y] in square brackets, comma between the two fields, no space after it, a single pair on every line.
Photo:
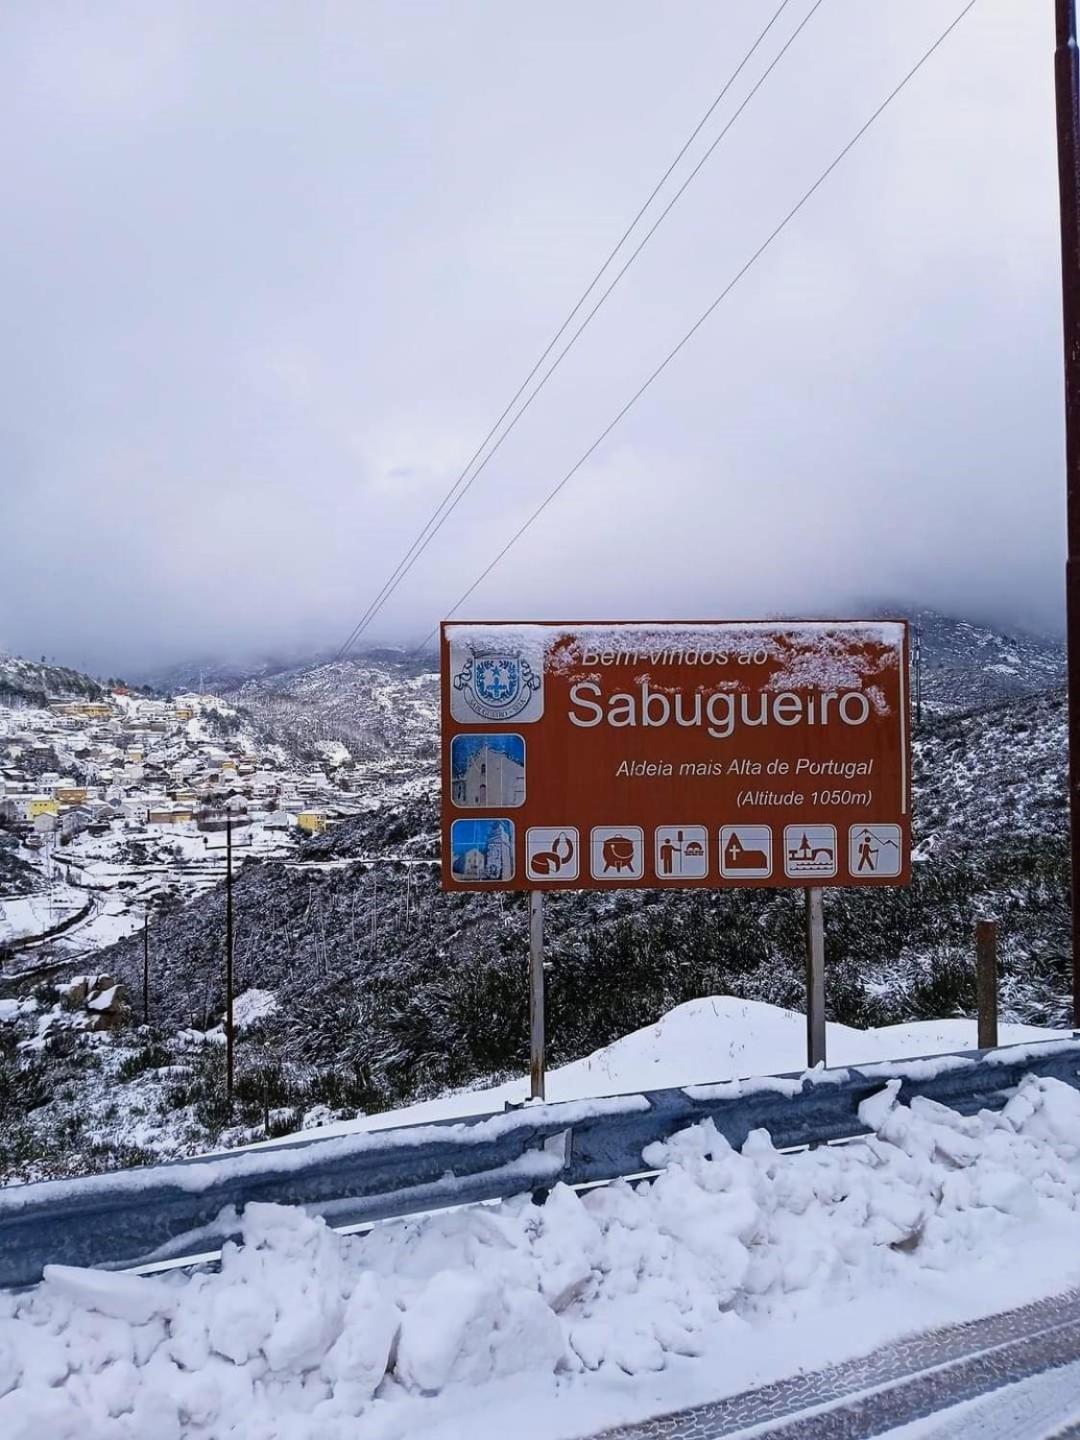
[553,1321]
[718,1038]
[25,916]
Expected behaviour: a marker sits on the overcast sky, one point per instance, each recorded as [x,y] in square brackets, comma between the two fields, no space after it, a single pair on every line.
[270,271]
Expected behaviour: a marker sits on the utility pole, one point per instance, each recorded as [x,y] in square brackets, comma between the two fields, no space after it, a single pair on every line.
[1067,91]
[228,960]
[146,968]
[918,675]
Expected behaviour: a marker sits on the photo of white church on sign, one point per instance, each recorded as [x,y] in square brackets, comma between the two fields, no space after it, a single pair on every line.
[487,771]
[482,849]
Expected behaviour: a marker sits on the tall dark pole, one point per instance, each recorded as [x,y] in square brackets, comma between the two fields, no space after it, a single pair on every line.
[1067,88]
[917,658]
[146,969]
[228,960]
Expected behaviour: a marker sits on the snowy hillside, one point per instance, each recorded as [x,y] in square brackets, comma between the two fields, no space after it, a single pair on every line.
[966,666]
[32,682]
[994,775]
[384,992]
[405,992]
[376,705]
[218,676]
[377,702]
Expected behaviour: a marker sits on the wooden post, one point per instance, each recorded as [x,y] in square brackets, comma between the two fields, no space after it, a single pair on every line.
[986,986]
[815,978]
[536,995]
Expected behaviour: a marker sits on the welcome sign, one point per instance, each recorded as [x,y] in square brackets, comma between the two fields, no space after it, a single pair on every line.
[599,756]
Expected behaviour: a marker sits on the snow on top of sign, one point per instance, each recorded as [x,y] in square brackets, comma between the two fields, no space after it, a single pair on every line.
[818,652]
[832,664]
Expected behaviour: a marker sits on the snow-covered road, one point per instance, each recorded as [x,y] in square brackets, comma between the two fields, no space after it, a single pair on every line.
[1011,1376]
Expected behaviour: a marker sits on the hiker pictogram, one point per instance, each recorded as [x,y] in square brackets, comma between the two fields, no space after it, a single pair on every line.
[875,850]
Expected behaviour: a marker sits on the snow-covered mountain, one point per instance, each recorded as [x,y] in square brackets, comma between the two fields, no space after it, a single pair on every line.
[966,666]
[380,703]
[36,682]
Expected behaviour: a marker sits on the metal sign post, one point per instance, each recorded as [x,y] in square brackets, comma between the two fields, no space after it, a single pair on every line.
[536,995]
[815,978]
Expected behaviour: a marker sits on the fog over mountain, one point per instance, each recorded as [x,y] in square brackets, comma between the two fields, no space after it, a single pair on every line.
[275,273]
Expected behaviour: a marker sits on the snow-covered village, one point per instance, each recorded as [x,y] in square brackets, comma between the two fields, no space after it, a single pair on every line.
[120,803]
[540,721]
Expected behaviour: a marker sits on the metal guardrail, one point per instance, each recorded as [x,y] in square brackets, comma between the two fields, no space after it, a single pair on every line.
[188,1207]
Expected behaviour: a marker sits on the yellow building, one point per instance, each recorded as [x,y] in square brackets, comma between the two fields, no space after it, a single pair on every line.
[313,821]
[185,712]
[41,805]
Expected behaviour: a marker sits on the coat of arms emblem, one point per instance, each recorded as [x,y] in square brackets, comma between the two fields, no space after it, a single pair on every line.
[497,685]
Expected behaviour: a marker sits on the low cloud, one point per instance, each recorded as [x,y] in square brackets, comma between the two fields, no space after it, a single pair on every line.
[276,272]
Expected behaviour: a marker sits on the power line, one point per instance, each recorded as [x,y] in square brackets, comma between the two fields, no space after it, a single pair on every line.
[588,318]
[419,544]
[703,317]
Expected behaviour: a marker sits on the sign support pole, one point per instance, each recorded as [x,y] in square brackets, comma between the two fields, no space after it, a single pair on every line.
[815,977]
[536,995]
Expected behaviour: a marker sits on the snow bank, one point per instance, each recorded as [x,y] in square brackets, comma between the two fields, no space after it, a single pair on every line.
[303,1330]
[698,1044]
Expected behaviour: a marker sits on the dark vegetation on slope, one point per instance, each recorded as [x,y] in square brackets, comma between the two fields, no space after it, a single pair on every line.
[408,991]
[389,991]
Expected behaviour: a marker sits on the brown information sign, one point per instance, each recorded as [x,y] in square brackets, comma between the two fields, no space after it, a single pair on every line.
[599,756]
